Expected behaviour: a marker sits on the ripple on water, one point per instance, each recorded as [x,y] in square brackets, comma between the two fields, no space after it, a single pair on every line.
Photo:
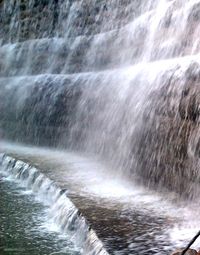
[24,225]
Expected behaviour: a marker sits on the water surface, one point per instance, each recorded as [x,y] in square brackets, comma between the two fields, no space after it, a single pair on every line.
[25,227]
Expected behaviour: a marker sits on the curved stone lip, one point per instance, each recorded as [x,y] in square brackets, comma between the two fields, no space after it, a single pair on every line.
[93,245]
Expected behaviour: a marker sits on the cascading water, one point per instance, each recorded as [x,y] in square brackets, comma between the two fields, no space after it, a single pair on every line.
[116,79]
[120,89]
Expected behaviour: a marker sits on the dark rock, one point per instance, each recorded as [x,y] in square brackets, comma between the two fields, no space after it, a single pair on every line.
[189,107]
[195,13]
[189,252]
[193,72]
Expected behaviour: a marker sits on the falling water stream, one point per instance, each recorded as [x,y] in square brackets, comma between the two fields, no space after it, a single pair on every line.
[106,94]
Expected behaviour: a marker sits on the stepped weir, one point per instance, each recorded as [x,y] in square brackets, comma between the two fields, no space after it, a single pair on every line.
[117,83]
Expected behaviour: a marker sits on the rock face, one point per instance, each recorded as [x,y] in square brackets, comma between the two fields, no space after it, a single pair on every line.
[40,19]
[117,78]
[189,252]
[170,142]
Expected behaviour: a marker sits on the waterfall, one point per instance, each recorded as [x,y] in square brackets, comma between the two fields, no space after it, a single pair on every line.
[118,79]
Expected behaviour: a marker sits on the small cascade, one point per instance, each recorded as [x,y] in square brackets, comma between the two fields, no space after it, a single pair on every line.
[61,210]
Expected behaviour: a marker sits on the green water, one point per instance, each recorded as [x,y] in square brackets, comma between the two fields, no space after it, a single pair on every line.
[24,226]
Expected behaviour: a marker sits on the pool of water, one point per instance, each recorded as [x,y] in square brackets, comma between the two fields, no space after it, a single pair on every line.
[128,219]
[25,227]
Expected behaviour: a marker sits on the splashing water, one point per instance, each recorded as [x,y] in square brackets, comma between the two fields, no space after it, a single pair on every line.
[117,80]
